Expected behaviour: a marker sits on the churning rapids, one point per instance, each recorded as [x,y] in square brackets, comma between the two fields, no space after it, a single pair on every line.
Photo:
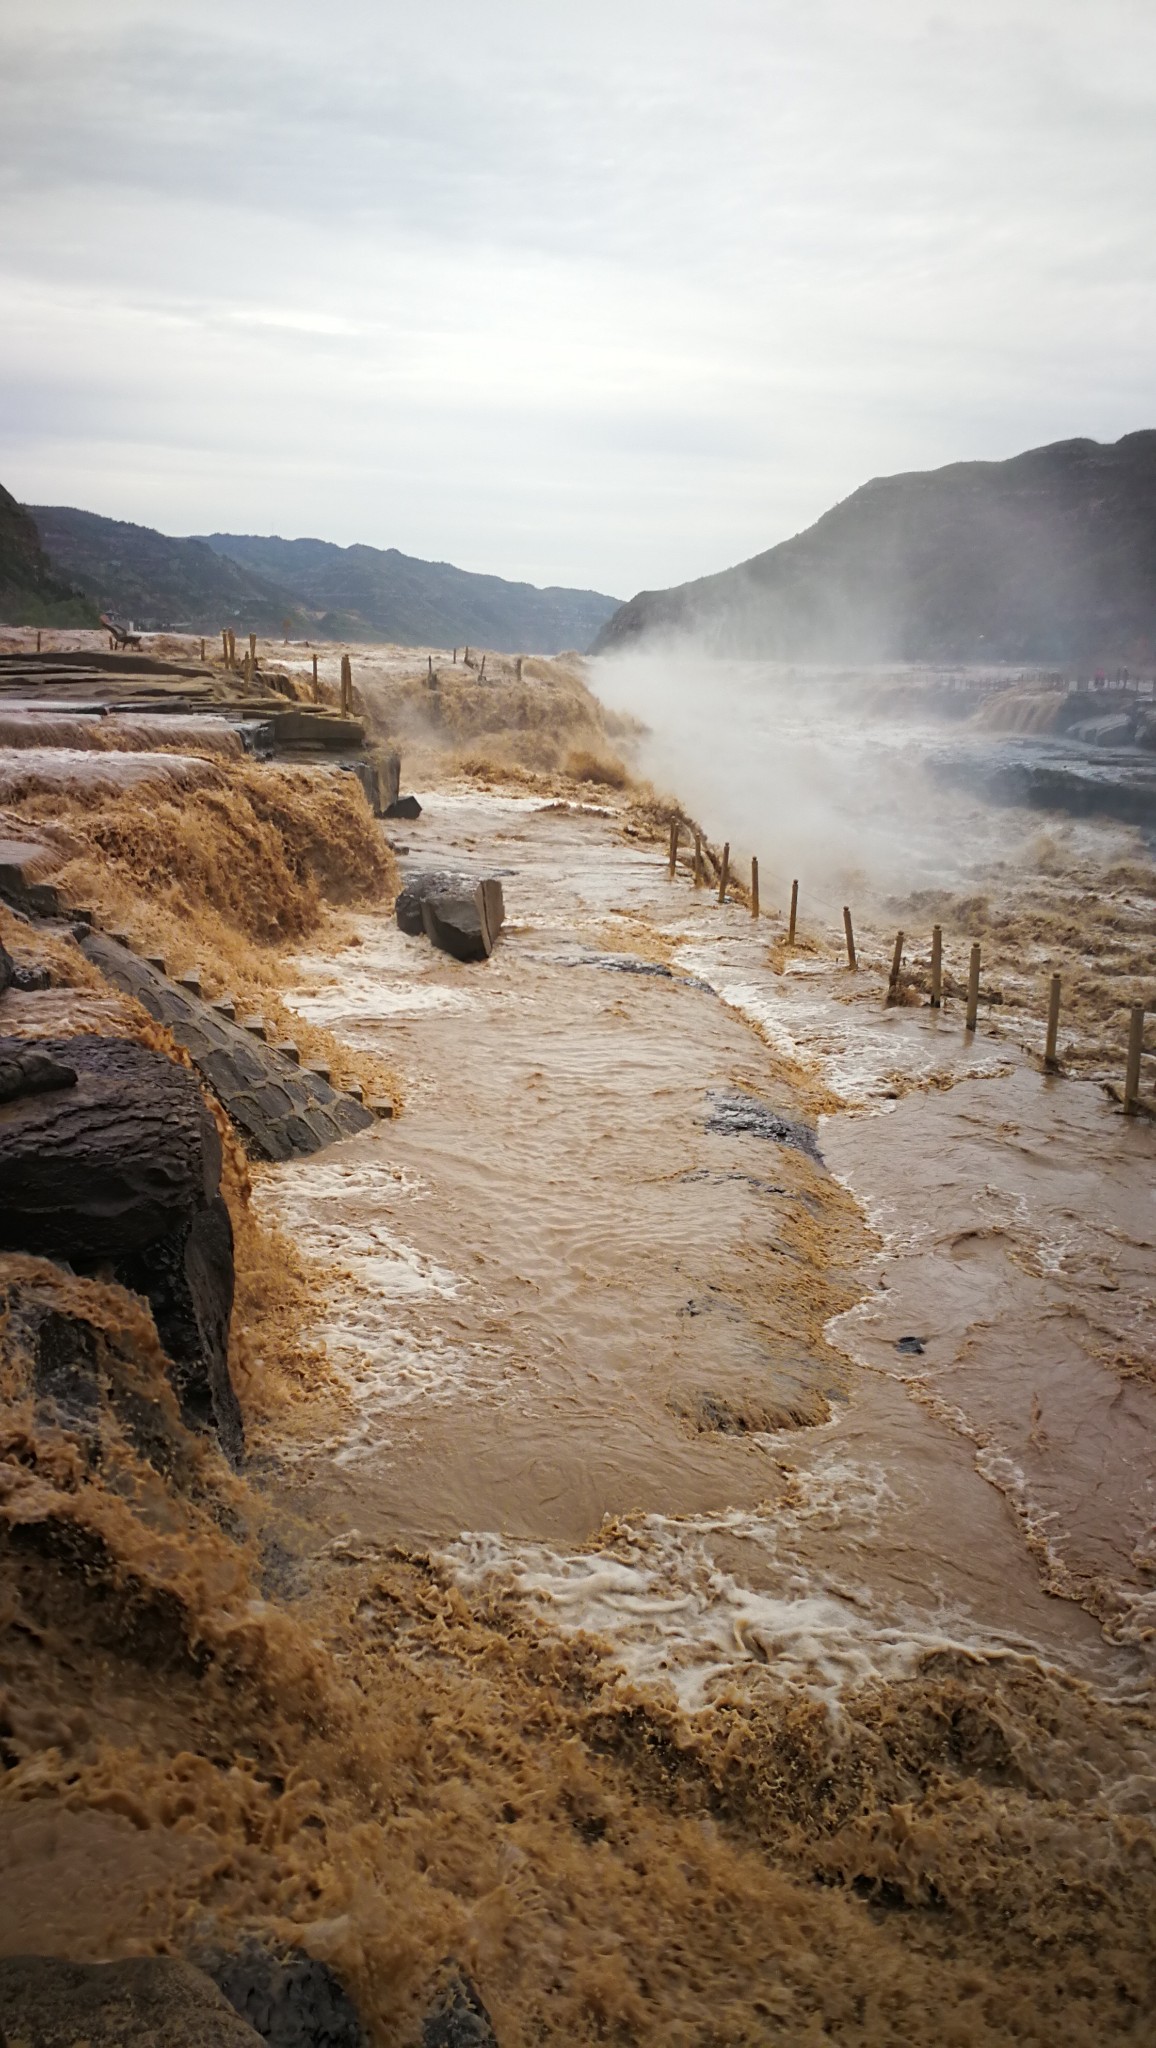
[720,1536]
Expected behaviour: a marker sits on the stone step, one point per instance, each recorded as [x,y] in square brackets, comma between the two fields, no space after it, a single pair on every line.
[283,1111]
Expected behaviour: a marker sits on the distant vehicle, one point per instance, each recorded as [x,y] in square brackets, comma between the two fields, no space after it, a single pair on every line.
[121,636]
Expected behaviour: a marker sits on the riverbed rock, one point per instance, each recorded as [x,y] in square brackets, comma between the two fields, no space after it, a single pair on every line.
[436,882]
[456,2017]
[141,2002]
[120,1174]
[457,913]
[456,925]
[291,2000]
[31,1071]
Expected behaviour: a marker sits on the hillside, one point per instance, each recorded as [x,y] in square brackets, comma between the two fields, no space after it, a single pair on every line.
[418,604]
[1048,557]
[155,581]
[31,594]
[322,591]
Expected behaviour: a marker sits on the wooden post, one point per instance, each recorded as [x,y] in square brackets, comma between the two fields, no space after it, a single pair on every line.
[482,670]
[315,668]
[973,989]
[1135,1049]
[38,641]
[466,657]
[698,860]
[754,888]
[724,873]
[253,649]
[232,648]
[224,647]
[852,962]
[202,650]
[429,668]
[455,657]
[518,666]
[248,668]
[794,913]
[673,846]
[896,964]
[1050,1059]
[936,966]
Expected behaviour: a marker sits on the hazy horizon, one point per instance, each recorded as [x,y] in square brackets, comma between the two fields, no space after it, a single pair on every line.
[609,302]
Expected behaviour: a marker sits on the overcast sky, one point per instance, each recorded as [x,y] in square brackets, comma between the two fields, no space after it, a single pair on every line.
[599,292]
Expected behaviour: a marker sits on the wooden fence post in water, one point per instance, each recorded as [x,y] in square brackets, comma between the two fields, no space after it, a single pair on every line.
[202,650]
[896,964]
[38,642]
[936,966]
[253,649]
[346,687]
[973,989]
[794,913]
[673,847]
[724,873]
[1135,1049]
[1050,1059]
[852,962]
[754,887]
[224,647]
[698,860]
[315,668]
[232,648]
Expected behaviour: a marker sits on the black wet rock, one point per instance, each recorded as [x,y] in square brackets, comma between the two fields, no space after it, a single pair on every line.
[48,2002]
[119,1174]
[457,2018]
[289,1999]
[911,1347]
[96,1170]
[459,915]
[437,882]
[405,807]
[455,925]
[736,1115]
[29,980]
[32,1071]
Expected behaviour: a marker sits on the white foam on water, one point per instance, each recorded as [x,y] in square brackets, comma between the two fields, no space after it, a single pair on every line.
[679,1621]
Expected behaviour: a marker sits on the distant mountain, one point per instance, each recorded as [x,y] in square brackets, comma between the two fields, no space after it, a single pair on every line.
[31,593]
[321,591]
[155,581]
[1049,557]
[418,604]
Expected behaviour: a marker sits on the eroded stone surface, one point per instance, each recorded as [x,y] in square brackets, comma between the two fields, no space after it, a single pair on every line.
[284,1111]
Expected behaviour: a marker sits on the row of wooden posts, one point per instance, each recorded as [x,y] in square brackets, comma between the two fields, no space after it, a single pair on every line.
[971,1015]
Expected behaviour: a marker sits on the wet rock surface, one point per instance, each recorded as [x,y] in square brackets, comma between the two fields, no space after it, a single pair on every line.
[734,1115]
[455,924]
[31,1071]
[460,916]
[457,2018]
[120,1173]
[290,2000]
[283,1111]
[138,2003]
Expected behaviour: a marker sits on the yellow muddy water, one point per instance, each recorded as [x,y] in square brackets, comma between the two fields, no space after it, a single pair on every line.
[570,1312]
[626,1615]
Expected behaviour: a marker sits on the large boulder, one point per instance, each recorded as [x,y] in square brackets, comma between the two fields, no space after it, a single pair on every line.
[290,1999]
[141,2002]
[119,1174]
[456,913]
